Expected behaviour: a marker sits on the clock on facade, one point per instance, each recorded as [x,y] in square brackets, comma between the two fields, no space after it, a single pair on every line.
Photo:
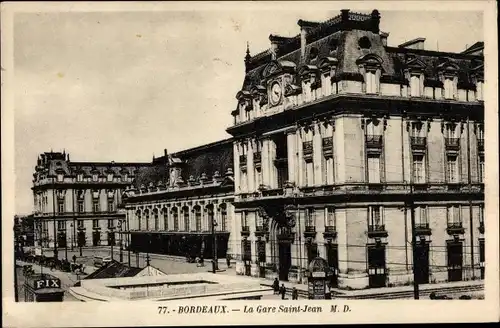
[276,92]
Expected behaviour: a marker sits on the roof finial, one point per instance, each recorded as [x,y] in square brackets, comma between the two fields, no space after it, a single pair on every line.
[247,57]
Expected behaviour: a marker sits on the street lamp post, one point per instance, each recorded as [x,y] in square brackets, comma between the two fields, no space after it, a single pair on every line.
[214,235]
[120,225]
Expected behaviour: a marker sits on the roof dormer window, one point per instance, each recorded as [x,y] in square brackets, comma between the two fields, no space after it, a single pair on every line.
[480,90]
[416,85]
[94,177]
[371,81]
[449,87]
[60,177]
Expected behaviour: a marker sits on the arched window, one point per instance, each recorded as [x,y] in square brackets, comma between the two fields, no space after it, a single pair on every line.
[211,216]
[138,216]
[223,217]
[197,214]
[165,218]
[185,211]
[175,214]
[146,218]
[155,216]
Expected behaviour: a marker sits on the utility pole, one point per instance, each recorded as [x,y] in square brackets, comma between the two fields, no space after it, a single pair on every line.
[414,244]
[16,291]
[120,222]
[54,215]
[214,251]
[469,178]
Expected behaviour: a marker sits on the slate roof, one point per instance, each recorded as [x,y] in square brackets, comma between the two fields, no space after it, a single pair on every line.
[53,163]
[339,38]
[194,162]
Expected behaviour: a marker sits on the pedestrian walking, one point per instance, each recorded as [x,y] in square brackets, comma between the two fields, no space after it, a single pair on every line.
[228,260]
[295,294]
[276,286]
[283,291]
[74,258]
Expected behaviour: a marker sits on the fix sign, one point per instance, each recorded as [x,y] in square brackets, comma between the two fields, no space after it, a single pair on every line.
[47,283]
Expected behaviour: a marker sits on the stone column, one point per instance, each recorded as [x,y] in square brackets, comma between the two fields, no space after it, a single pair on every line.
[300,158]
[250,167]
[292,156]
[236,169]
[265,162]
[273,172]
[317,154]
[320,228]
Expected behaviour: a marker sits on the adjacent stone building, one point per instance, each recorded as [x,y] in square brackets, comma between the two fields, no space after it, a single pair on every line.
[77,204]
[338,136]
[182,205]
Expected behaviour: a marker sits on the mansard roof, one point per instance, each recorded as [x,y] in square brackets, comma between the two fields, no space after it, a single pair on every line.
[210,160]
[344,39]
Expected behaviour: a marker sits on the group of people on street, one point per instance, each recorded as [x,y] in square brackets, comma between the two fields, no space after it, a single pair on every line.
[282,290]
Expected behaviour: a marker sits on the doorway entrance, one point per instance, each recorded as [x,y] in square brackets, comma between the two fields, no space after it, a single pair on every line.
[332,254]
[376,266]
[455,260]
[285,260]
[422,262]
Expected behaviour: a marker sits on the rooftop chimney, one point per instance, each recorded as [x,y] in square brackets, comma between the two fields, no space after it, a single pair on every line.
[417,43]
[383,36]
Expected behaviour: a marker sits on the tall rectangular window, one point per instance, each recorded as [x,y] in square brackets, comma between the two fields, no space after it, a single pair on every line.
[244,222]
[481,216]
[452,168]
[330,217]
[449,88]
[310,217]
[60,206]
[481,169]
[480,90]
[61,225]
[165,218]
[96,206]
[186,219]
[176,220]
[375,217]
[95,223]
[111,205]
[421,218]
[371,83]
[415,86]
[110,224]
[224,219]
[374,169]
[198,219]
[80,224]
[81,206]
[418,168]
[453,216]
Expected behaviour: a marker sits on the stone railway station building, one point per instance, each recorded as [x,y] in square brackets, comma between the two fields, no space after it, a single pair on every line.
[337,138]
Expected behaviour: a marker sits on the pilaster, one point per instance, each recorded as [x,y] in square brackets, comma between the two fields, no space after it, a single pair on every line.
[317,154]
[250,167]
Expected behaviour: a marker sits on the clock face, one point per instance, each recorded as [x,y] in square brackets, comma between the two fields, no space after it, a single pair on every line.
[275,93]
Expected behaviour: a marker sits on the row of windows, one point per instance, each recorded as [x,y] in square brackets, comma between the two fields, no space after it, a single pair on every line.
[143,221]
[374,214]
[372,85]
[96,206]
[97,178]
[61,225]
